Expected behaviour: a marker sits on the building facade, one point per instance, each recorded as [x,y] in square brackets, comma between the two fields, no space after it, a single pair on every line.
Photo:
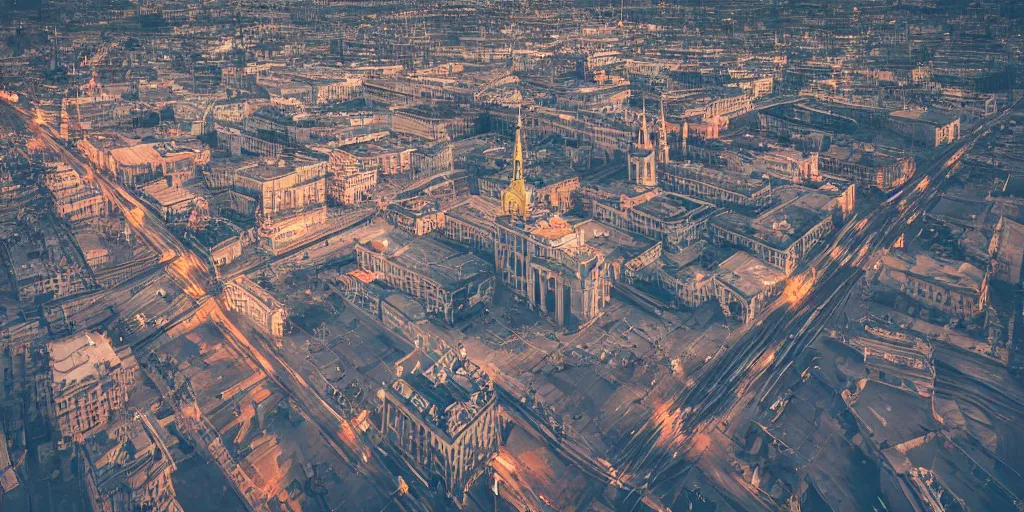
[444,429]
[89,380]
[253,302]
[451,285]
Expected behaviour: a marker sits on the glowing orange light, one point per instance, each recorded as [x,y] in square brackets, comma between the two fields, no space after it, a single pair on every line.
[797,288]
[921,187]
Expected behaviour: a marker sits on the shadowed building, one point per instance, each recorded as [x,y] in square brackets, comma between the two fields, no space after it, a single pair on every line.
[127,468]
[250,300]
[548,263]
[958,288]
[544,259]
[786,234]
[451,285]
[716,186]
[672,218]
[866,169]
[89,380]
[442,416]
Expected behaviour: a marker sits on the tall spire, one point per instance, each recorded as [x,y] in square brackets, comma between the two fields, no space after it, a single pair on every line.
[517,153]
[642,157]
[643,139]
[663,134]
[686,135]
[516,197]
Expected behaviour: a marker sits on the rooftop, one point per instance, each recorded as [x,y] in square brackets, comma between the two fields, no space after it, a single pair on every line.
[858,156]
[270,168]
[448,393]
[81,357]
[670,207]
[166,195]
[444,264]
[926,116]
[784,224]
[726,179]
[748,275]
[955,274]
[613,243]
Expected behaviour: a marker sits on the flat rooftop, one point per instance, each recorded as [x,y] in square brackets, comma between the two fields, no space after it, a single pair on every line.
[435,111]
[859,156]
[432,258]
[80,357]
[166,195]
[734,181]
[613,243]
[955,274]
[476,209]
[782,225]
[925,116]
[670,207]
[267,169]
[748,275]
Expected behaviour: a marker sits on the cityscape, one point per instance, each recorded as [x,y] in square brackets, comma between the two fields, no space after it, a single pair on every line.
[511,255]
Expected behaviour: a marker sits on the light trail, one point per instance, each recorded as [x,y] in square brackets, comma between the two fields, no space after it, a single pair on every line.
[716,387]
[189,272]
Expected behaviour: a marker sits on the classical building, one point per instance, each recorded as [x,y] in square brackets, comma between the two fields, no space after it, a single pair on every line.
[239,141]
[417,216]
[548,263]
[784,235]
[44,265]
[545,260]
[375,156]
[789,165]
[128,467]
[61,180]
[83,206]
[557,197]
[451,285]
[335,90]
[280,233]
[716,186]
[437,123]
[442,418]
[347,182]
[143,163]
[432,160]
[742,285]
[866,169]
[471,223]
[674,219]
[276,125]
[174,203]
[283,186]
[957,288]
[253,302]
[1006,249]
[89,381]
[926,127]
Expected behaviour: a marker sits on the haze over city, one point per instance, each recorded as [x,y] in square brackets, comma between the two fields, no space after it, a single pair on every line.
[491,255]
